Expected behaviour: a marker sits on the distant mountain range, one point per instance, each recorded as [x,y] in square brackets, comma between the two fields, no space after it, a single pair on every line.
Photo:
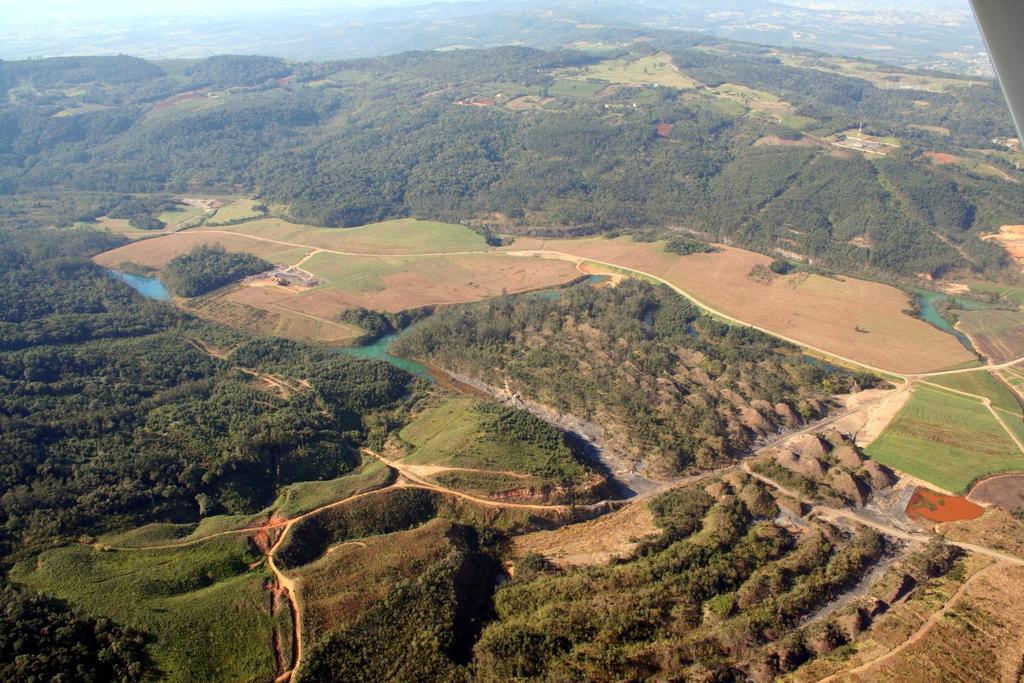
[932,34]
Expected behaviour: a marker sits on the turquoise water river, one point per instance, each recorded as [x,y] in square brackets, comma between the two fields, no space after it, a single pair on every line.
[378,350]
[929,312]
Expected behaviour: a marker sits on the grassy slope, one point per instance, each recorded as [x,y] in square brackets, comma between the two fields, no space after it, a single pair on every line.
[450,433]
[308,495]
[208,614]
[946,439]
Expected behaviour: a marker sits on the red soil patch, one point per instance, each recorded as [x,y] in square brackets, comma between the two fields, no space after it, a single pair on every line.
[938,507]
[941,158]
[663,129]
[163,104]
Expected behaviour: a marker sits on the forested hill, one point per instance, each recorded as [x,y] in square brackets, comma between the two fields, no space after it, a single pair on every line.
[740,143]
[118,411]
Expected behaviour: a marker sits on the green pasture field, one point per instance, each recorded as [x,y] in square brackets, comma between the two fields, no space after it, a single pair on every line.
[239,210]
[948,440]
[401,236]
[796,121]
[743,92]
[569,87]
[1015,294]
[179,215]
[207,614]
[355,273]
[982,383]
[653,70]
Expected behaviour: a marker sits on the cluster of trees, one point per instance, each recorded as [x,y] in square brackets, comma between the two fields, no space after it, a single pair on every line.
[674,387]
[386,139]
[112,417]
[687,606]
[42,639]
[379,324]
[684,244]
[209,266]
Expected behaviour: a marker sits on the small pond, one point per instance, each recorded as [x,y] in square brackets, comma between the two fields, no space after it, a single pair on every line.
[149,287]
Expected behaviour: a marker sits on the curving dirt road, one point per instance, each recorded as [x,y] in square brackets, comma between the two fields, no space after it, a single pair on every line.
[920,633]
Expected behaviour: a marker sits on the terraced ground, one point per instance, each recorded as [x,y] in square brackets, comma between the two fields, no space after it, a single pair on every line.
[997,334]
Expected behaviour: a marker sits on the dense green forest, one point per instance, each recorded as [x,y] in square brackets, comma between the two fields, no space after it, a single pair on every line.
[42,639]
[113,414]
[346,143]
[676,388]
[207,267]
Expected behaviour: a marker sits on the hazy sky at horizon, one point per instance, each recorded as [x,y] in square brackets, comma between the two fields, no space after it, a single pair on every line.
[61,10]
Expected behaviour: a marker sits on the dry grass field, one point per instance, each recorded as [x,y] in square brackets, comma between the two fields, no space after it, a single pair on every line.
[1006,491]
[338,587]
[156,252]
[390,283]
[592,542]
[861,320]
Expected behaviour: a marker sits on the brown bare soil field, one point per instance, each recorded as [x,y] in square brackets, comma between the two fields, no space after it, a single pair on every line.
[592,542]
[1005,491]
[157,251]
[776,141]
[941,158]
[996,529]
[938,507]
[1011,237]
[861,320]
[997,334]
